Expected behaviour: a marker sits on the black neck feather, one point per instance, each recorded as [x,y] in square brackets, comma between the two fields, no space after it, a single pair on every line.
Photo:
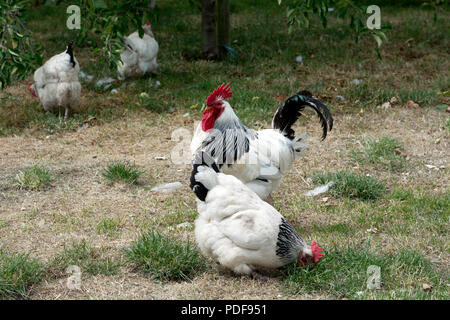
[69,51]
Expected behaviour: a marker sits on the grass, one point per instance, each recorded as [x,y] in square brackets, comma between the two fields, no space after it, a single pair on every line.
[408,210]
[342,273]
[52,123]
[90,260]
[165,258]
[33,178]
[109,227]
[351,185]
[385,153]
[18,273]
[431,205]
[264,68]
[122,172]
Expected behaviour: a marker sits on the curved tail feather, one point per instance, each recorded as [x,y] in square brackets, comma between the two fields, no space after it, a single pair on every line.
[288,113]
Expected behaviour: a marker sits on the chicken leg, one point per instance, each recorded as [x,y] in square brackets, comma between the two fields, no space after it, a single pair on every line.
[66,113]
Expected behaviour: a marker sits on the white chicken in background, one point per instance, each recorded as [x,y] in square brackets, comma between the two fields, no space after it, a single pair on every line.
[140,54]
[56,83]
[257,158]
[238,229]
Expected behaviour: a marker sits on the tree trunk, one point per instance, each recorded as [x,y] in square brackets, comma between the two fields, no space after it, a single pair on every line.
[209,49]
[223,27]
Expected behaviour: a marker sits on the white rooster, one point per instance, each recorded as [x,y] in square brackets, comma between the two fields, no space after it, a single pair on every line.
[56,83]
[238,229]
[140,54]
[257,158]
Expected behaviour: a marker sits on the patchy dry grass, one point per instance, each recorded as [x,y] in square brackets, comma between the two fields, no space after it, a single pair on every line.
[122,171]
[165,258]
[109,226]
[33,178]
[385,153]
[87,258]
[83,221]
[351,185]
[345,273]
[18,273]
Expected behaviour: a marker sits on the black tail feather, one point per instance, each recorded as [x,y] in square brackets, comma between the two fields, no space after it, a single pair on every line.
[69,51]
[288,113]
[201,159]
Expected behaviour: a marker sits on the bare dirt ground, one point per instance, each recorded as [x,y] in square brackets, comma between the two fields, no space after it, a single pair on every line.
[42,222]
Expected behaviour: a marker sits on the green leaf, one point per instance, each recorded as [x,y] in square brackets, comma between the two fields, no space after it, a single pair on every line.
[11,52]
[378,40]
[290,12]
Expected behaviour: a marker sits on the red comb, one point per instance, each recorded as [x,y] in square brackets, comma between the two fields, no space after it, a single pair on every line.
[148,22]
[33,93]
[221,92]
[317,252]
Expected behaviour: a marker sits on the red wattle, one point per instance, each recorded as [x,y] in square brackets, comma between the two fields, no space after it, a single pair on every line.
[317,252]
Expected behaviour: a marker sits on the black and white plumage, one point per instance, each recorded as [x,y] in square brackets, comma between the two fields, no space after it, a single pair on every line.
[56,83]
[257,158]
[291,109]
[238,229]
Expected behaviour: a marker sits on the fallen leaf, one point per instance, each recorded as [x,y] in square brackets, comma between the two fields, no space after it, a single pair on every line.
[411,104]
[400,153]
[280,98]
[427,287]
[89,120]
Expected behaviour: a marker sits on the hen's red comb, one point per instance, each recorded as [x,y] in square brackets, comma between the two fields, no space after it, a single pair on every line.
[148,22]
[33,93]
[317,252]
[221,92]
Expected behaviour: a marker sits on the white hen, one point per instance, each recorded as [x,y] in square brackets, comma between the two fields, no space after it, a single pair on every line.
[56,83]
[238,229]
[140,54]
